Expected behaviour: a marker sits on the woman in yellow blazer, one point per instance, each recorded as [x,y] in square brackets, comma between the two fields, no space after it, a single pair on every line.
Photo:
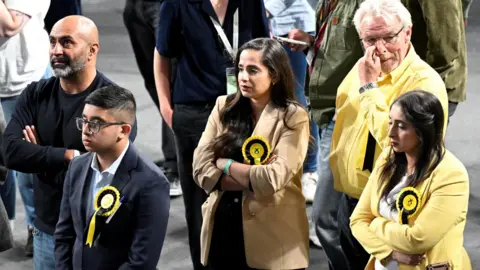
[255,216]
[413,210]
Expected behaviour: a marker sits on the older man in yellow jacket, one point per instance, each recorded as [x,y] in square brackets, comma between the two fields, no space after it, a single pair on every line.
[389,68]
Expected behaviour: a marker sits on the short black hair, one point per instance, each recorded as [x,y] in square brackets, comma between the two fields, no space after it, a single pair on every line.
[114,98]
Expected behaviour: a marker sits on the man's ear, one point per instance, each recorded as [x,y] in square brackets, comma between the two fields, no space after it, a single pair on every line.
[93,51]
[126,129]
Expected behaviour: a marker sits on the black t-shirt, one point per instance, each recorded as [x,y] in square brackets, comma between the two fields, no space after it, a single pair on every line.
[45,105]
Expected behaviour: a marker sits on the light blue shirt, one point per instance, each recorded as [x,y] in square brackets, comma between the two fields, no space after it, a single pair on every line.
[286,15]
[102,179]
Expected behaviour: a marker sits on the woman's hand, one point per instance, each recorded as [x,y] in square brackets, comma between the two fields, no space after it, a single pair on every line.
[408,259]
[220,163]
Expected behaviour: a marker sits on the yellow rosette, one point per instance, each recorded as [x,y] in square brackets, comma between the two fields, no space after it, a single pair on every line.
[106,202]
[256,150]
[408,202]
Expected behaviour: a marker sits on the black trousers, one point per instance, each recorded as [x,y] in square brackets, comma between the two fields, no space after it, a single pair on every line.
[141,20]
[188,123]
[355,254]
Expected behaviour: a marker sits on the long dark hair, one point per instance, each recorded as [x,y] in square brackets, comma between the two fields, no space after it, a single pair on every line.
[425,113]
[236,116]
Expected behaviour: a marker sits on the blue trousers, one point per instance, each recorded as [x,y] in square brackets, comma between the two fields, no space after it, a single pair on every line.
[299,66]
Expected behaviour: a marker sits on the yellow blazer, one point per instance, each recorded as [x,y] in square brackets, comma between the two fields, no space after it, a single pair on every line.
[436,229]
[275,224]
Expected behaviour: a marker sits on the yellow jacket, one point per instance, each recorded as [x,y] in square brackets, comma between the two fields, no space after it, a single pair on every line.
[436,229]
[359,115]
[275,224]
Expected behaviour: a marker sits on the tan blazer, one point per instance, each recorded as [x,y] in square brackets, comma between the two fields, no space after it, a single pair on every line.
[436,230]
[275,224]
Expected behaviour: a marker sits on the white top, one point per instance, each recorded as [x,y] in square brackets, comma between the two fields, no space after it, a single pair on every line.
[24,57]
[385,210]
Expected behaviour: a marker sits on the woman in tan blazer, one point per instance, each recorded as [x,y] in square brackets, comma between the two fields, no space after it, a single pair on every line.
[254,217]
[412,213]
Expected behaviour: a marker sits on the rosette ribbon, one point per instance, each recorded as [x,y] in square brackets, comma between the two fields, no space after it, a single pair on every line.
[256,150]
[106,202]
[408,203]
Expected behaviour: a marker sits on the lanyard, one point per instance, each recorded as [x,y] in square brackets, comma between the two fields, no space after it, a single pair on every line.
[221,33]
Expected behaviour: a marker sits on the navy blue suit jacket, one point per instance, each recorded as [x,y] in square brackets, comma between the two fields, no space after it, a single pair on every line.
[133,238]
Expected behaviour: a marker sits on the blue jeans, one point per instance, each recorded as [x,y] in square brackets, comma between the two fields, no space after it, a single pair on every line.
[325,204]
[299,66]
[43,250]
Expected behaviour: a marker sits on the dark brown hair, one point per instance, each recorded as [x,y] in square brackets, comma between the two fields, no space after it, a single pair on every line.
[425,113]
[236,116]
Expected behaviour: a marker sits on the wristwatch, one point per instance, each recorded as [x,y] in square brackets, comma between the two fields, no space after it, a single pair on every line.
[368,86]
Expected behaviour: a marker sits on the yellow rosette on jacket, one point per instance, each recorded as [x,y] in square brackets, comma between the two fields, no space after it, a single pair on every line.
[106,202]
[408,202]
[256,150]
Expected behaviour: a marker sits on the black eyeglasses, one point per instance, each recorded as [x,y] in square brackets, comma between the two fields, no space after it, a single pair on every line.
[95,126]
[385,40]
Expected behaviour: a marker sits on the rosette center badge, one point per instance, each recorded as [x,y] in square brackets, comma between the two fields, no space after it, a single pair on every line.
[256,150]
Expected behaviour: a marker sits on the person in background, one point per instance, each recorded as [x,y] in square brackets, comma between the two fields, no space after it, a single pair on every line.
[23,59]
[466,9]
[330,56]
[203,35]
[132,235]
[439,39]
[141,18]
[42,137]
[389,68]
[285,15]
[255,215]
[417,164]
[6,237]
[60,9]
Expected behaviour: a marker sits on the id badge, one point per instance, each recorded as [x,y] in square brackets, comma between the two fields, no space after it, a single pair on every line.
[231,81]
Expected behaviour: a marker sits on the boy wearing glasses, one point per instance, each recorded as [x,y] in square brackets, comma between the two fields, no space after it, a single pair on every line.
[42,137]
[115,204]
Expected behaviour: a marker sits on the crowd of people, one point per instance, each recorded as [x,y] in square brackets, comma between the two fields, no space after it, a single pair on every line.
[266,106]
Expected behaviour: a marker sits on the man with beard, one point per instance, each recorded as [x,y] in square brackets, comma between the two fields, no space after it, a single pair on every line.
[42,136]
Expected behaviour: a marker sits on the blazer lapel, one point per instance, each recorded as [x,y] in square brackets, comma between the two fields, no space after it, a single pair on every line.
[122,175]
[84,189]
[119,181]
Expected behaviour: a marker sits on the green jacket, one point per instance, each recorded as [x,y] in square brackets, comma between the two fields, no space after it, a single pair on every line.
[438,37]
[339,51]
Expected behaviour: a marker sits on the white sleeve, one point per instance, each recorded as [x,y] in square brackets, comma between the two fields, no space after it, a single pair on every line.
[28,7]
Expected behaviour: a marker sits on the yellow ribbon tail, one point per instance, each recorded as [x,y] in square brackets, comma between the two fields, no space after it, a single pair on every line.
[258,161]
[91,231]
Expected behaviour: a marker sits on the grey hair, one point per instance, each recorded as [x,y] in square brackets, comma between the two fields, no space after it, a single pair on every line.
[388,9]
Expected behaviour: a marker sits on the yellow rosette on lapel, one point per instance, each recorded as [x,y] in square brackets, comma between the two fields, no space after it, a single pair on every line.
[408,202]
[256,150]
[106,202]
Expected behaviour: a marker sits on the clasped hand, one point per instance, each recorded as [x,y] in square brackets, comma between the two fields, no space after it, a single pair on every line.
[408,259]
[30,134]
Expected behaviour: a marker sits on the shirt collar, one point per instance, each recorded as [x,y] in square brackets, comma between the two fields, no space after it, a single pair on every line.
[398,72]
[113,168]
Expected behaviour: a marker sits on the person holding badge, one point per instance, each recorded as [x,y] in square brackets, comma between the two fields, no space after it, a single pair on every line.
[115,203]
[249,160]
[412,212]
